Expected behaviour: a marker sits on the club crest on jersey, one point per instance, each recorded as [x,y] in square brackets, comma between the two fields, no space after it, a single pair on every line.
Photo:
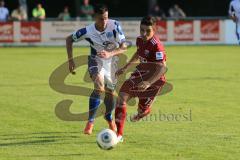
[109,34]
[146,52]
[159,55]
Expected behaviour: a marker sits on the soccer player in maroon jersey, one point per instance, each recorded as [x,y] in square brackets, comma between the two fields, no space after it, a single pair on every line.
[148,78]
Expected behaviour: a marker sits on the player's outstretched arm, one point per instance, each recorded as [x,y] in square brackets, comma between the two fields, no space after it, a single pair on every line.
[122,48]
[69,44]
[133,60]
[160,70]
[107,54]
[157,70]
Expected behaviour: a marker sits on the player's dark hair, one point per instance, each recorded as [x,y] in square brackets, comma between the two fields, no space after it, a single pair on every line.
[100,9]
[148,21]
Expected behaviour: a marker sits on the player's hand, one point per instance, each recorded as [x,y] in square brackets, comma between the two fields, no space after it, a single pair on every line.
[71,66]
[120,71]
[144,85]
[104,54]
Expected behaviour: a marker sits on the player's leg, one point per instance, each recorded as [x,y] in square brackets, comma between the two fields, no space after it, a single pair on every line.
[127,91]
[238,31]
[146,99]
[121,108]
[94,101]
[120,112]
[144,108]
[110,102]
[94,68]
[110,80]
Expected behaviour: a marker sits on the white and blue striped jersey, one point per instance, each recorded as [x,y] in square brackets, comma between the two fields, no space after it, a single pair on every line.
[113,34]
[234,7]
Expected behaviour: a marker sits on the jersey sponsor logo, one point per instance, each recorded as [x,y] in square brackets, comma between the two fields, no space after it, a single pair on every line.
[109,46]
[107,43]
[159,56]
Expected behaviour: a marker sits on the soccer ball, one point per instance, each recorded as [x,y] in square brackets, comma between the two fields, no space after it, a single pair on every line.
[106,139]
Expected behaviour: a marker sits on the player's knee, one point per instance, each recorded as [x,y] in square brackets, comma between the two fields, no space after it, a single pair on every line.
[93,77]
[122,103]
[99,90]
[121,100]
[109,92]
[99,86]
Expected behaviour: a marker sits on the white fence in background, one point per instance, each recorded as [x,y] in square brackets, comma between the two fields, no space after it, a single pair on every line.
[171,32]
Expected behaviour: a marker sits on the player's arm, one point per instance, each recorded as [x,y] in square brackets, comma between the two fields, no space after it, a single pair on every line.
[69,44]
[133,60]
[120,50]
[157,70]
[76,36]
[120,38]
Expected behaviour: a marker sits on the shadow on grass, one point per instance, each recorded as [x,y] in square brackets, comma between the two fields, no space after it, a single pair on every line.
[40,137]
[36,133]
[38,142]
[60,155]
[37,138]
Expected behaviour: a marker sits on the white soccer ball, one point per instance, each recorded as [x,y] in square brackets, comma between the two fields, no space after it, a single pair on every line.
[107,139]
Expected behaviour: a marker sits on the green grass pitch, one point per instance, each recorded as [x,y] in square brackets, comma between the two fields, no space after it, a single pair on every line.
[198,120]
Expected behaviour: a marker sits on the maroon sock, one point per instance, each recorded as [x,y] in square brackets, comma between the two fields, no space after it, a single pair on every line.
[120,115]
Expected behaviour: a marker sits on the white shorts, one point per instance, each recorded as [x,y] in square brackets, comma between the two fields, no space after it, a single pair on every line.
[106,68]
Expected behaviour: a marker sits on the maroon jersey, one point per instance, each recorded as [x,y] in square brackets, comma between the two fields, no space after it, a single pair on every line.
[151,51]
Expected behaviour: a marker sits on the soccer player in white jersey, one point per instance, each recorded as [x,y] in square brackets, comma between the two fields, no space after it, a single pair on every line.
[101,62]
[234,13]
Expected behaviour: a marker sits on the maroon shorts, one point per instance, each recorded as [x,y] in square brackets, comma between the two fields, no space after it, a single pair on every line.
[147,96]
